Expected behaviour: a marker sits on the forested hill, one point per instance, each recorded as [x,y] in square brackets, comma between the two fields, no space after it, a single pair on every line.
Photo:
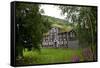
[53,19]
[59,23]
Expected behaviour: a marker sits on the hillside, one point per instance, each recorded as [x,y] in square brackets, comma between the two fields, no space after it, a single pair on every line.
[53,19]
[59,23]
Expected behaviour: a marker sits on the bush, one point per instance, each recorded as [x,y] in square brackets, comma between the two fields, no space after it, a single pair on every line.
[87,54]
[31,57]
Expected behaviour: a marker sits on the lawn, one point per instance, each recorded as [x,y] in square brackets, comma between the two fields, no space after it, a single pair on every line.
[51,55]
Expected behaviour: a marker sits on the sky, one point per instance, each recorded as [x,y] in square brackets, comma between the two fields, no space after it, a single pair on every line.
[52,10]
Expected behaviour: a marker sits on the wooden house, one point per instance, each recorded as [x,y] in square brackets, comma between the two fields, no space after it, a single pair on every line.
[57,39]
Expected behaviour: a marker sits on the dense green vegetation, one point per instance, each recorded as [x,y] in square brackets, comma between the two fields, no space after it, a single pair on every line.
[84,21]
[30,27]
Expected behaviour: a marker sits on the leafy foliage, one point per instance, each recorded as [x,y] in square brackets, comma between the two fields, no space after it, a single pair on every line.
[30,27]
[84,20]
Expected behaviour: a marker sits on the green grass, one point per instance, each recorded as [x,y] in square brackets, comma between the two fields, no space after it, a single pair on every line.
[51,55]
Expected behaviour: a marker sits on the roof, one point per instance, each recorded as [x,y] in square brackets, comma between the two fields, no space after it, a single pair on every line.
[62,29]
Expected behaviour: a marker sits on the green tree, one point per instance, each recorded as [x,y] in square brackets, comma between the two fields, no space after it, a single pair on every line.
[30,27]
[86,20]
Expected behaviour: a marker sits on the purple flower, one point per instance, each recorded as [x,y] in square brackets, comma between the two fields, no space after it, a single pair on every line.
[75,59]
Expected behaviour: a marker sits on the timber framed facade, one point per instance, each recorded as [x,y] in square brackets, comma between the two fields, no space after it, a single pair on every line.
[57,39]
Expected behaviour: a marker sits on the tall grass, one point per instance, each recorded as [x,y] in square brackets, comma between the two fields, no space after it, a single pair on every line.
[51,55]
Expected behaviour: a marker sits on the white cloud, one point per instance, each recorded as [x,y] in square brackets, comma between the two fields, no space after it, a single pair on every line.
[52,10]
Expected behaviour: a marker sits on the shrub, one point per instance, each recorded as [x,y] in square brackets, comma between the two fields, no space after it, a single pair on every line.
[87,54]
[31,57]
